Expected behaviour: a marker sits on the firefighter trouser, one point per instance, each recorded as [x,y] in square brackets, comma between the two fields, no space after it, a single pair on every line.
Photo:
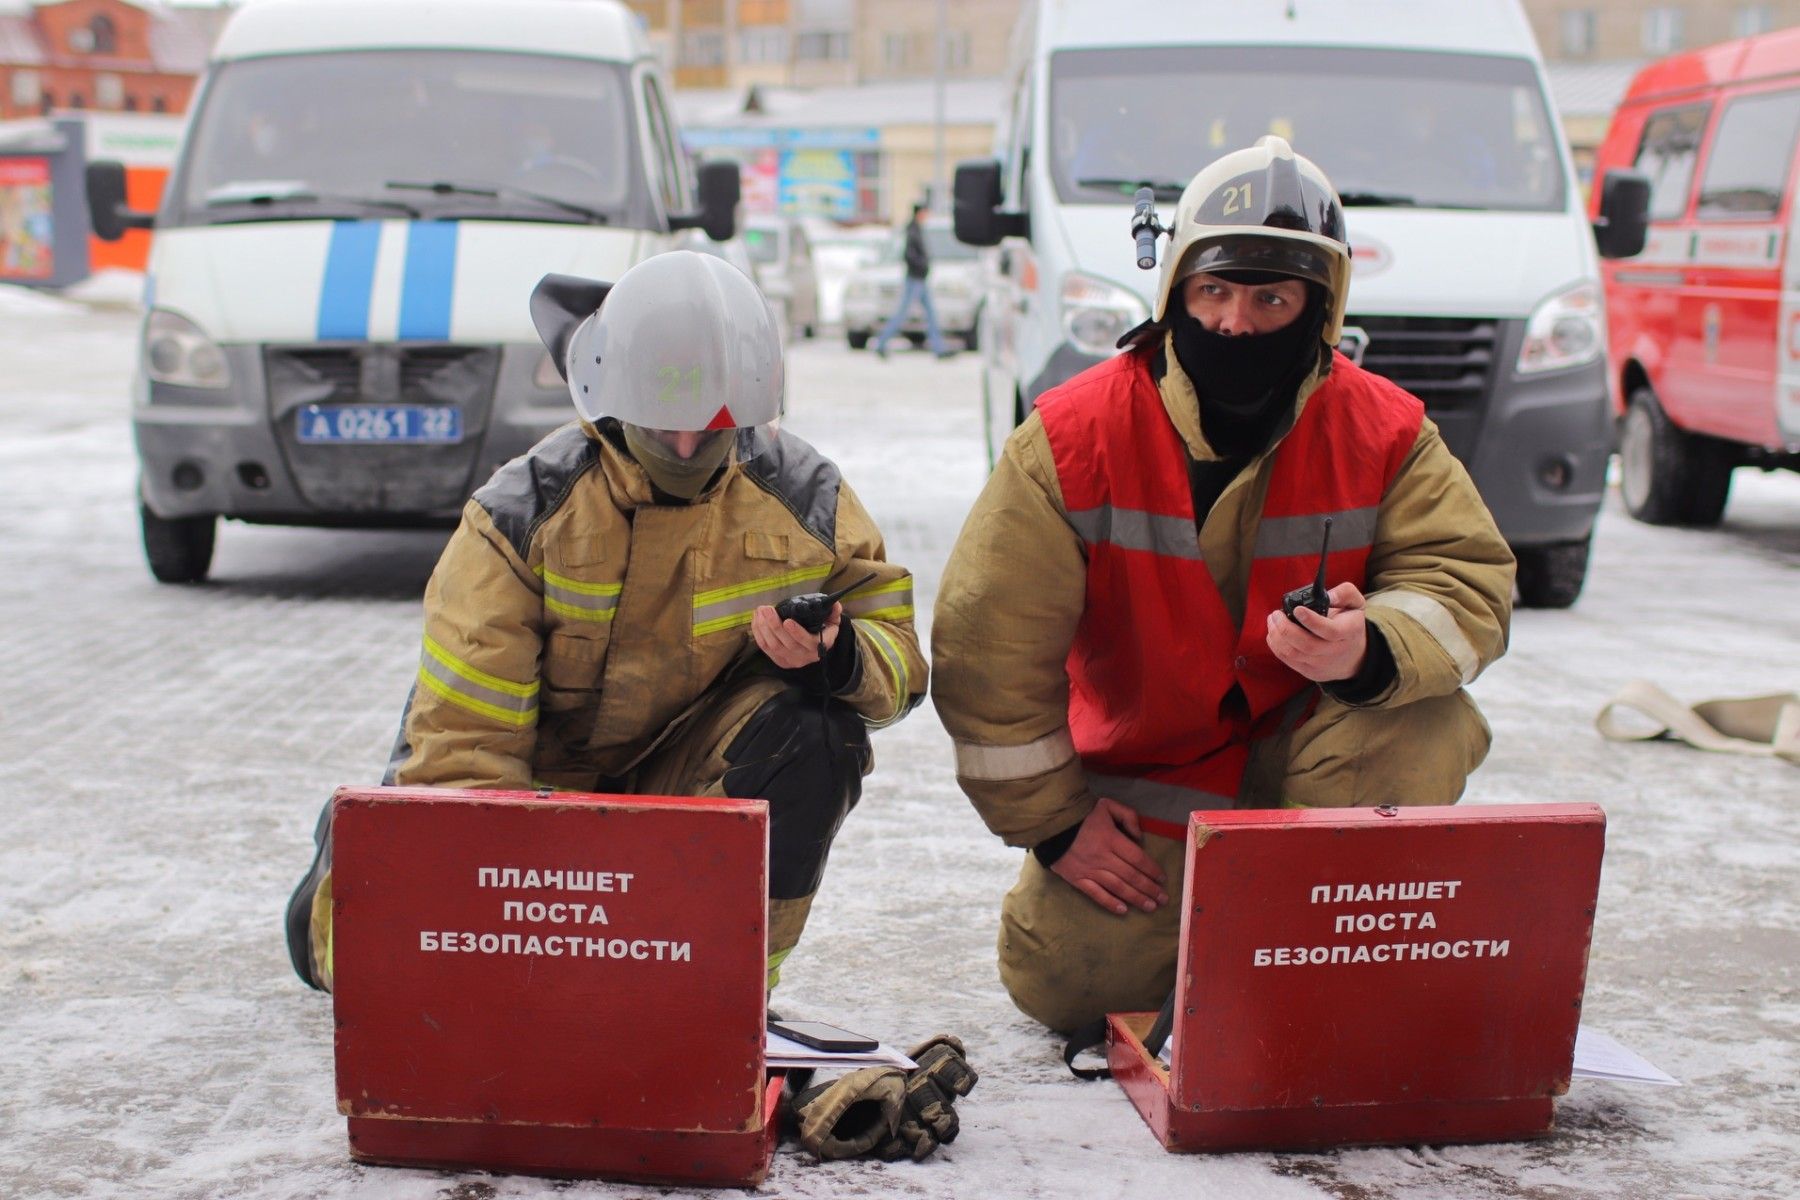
[1065,960]
[755,738]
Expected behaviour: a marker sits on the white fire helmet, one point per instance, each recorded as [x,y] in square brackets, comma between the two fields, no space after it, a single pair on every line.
[1261,209]
[683,342]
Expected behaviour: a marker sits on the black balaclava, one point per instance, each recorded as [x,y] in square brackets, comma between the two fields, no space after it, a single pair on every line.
[1247,383]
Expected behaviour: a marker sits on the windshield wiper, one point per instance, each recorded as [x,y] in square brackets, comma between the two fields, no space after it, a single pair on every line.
[500,191]
[274,196]
[1164,191]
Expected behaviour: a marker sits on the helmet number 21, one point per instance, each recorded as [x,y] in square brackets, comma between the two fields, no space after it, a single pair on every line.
[671,383]
[1237,199]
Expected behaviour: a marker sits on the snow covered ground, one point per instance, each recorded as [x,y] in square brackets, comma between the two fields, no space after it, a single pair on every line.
[163,753]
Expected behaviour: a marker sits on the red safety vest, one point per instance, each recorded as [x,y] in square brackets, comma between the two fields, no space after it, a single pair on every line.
[1166,692]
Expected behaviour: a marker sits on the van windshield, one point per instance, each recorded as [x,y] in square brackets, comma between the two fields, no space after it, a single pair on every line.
[1398,128]
[322,135]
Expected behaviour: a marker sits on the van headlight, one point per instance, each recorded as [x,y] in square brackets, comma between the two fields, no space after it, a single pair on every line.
[1566,330]
[176,351]
[1095,313]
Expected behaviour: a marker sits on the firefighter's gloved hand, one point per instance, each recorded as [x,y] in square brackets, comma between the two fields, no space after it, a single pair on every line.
[852,1115]
[929,1119]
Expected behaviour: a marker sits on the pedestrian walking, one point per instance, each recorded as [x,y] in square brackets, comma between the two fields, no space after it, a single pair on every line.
[918,269]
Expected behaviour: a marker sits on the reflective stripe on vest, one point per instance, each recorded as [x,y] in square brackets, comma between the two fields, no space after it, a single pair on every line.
[1158,660]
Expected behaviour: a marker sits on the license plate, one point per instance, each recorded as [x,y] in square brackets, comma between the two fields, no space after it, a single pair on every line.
[384,423]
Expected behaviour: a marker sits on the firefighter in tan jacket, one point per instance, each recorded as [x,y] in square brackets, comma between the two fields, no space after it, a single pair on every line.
[603,619]
[1111,648]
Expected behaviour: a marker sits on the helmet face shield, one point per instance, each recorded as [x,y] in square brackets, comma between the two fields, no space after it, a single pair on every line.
[1248,252]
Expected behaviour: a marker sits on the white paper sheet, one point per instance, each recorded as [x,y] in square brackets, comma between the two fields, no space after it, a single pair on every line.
[785,1052]
[1598,1056]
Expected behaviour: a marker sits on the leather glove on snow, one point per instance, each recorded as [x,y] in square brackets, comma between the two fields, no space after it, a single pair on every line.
[929,1116]
[853,1114]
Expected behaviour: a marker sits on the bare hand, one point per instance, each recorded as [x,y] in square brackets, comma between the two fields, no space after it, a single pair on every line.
[788,643]
[1323,648]
[1108,864]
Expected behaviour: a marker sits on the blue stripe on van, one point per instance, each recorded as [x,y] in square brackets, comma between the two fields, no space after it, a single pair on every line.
[429,280]
[349,280]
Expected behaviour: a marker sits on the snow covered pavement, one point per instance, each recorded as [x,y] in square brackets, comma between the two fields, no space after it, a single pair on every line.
[164,751]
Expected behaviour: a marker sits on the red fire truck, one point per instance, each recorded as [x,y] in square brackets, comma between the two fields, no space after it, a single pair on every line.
[1705,323]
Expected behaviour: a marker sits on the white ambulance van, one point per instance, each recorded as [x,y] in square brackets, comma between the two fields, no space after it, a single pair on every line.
[337,329]
[1476,275]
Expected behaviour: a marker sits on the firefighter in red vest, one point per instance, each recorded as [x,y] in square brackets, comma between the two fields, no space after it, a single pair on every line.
[1110,649]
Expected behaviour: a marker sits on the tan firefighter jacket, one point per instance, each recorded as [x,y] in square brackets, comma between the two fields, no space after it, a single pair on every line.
[571,621]
[1439,582]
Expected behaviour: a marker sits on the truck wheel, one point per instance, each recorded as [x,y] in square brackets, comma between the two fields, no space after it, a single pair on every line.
[1551,576]
[1668,476]
[858,338]
[179,549]
[972,338]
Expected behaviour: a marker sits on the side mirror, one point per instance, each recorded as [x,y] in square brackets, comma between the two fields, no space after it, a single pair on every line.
[106,202]
[720,191]
[976,201]
[1624,220]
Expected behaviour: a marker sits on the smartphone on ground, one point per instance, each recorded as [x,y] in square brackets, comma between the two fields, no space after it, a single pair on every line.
[821,1036]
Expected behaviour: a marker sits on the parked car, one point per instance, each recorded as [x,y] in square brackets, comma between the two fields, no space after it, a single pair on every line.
[838,252]
[955,283]
[1476,281]
[1704,324]
[337,330]
[781,250]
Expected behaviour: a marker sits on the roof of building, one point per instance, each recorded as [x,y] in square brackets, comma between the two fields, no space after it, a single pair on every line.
[179,38]
[1590,89]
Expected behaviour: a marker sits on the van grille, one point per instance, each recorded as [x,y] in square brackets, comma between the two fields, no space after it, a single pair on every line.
[342,369]
[1444,361]
[378,477]
[338,369]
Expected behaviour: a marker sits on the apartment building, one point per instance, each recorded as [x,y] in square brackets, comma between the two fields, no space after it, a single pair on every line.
[100,56]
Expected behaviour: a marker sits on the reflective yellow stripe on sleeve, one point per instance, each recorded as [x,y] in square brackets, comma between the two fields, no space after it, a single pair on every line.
[894,658]
[892,601]
[445,675]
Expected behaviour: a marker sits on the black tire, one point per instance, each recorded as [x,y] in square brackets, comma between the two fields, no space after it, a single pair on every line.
[858,338]
[917,339]
[1551,576]
[971,338]
[1669,476]
[179,549]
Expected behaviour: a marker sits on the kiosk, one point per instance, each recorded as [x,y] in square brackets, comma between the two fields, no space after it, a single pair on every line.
[1371,976]
[557,984]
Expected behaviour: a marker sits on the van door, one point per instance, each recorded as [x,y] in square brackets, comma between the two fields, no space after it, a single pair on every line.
[1011,279]
[669,180]
[1649,288]
[1787,382]
[1730,315]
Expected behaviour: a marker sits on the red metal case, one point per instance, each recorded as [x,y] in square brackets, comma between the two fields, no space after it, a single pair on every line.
[566,985]
[1366,976]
